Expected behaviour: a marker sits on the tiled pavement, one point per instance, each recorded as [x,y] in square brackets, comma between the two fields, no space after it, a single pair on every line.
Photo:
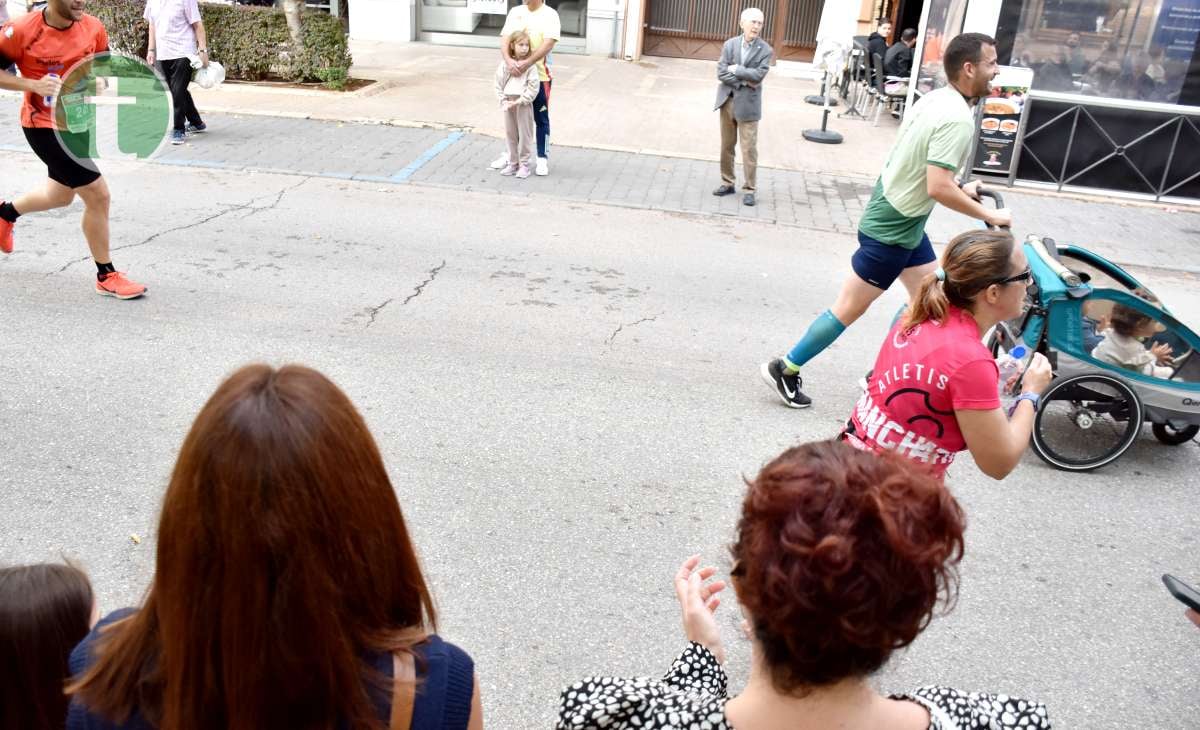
[1140,234]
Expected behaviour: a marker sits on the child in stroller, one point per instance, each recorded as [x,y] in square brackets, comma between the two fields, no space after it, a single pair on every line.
[1129,343]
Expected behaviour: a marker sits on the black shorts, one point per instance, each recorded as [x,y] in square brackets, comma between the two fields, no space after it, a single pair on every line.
[60,166]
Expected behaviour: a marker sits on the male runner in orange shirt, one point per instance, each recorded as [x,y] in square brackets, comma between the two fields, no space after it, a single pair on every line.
[45,45]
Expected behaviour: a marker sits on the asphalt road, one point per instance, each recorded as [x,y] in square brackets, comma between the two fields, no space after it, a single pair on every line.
[567,399]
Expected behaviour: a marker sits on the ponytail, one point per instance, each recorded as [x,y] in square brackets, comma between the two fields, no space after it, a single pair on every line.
[930,303]
[972,262]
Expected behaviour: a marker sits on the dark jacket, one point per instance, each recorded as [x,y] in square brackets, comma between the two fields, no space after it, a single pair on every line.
[744,86]
[445,676]
[877,44]
[898,61]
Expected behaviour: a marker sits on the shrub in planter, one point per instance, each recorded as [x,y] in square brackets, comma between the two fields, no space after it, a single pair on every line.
[251,42]
[122,19]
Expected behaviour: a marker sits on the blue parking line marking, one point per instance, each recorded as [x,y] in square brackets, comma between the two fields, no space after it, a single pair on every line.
[426,156]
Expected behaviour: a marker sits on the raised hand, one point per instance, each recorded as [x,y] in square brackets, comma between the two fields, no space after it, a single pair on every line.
[1162,353]
[697,602]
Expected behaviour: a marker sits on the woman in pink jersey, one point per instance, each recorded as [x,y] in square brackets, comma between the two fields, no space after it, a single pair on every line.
[934,390]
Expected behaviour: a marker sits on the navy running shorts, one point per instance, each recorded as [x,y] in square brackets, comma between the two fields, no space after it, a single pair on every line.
[879,264]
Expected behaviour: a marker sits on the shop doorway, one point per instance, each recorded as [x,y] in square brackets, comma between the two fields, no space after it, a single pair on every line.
[698,28]
[905,14]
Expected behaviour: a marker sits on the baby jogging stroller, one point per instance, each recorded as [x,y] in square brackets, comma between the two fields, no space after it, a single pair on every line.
[1102,394]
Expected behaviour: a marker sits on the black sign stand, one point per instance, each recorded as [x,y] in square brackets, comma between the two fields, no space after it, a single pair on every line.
[823,135]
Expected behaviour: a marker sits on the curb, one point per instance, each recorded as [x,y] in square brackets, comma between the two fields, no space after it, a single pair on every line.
[1191,271]
[386,84]
[251,87]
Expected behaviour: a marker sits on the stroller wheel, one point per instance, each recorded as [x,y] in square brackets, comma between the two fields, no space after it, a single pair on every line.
[1172,436]
[1086,421]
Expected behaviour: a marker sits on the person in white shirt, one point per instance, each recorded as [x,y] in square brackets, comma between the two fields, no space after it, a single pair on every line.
[541,23]
[176,36]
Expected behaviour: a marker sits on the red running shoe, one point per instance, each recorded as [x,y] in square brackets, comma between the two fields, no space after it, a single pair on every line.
[5,235]
[114,284]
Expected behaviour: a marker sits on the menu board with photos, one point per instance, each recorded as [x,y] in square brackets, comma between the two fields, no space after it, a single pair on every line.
[1000,116]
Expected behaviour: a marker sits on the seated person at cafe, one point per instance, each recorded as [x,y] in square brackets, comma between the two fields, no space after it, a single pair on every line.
[1055,73]
[1075,57]
[899,58]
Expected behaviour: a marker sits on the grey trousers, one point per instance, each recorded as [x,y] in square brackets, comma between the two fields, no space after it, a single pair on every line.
[520,129]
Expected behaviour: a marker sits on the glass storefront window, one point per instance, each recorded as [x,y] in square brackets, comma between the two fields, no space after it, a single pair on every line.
[1123,49]
[454,16]
[944,21]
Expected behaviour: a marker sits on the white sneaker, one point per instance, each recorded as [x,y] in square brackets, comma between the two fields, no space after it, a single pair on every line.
[500,162]
[543,167]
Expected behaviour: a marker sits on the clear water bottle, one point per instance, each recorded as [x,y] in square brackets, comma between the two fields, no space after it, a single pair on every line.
[1010,364]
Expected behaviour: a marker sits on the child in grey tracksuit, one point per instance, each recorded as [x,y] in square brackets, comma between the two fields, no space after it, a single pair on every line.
[516,93]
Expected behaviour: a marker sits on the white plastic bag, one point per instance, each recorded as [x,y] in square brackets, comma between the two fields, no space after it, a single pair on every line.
[211,76]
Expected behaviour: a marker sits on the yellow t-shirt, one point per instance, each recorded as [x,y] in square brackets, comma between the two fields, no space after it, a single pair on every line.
[540,24]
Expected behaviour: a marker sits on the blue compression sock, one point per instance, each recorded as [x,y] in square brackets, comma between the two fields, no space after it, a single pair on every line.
[821,334]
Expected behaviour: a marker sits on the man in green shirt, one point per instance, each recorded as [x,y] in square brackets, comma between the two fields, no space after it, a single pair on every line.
[934,141]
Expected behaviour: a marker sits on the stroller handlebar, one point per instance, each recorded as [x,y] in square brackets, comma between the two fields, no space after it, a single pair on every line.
[997,199]
[995,196]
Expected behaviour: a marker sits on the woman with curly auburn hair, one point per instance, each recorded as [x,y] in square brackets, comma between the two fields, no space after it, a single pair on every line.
[842,557]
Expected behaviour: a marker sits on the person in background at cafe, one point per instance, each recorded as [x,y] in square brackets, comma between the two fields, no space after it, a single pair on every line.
[899,58]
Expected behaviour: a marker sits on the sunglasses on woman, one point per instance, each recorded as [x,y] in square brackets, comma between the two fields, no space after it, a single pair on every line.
[1025,275]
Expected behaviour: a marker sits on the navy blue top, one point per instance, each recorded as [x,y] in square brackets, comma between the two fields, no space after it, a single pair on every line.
[442,702]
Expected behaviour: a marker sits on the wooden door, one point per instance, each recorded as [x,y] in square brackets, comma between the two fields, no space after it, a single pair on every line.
[698,28]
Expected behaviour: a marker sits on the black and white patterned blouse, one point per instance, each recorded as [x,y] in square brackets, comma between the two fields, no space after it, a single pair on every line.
[693,694]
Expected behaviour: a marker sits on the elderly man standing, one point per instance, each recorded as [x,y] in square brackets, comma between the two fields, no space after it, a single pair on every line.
[744,63]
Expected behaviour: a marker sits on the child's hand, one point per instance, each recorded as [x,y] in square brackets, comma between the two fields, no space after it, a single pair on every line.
[1162,353]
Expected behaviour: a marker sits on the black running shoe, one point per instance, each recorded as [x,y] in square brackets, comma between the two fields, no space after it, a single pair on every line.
[786,384]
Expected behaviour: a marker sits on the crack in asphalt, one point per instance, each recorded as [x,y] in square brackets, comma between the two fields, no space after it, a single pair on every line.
[373,312]
[620,327]
[278,199]
[228,209]
[421,287]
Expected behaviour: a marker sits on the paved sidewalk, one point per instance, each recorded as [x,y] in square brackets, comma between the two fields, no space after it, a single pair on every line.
[658,105]
[1134,234]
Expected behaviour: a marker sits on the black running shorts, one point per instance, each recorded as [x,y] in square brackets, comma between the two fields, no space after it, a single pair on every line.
[60,166]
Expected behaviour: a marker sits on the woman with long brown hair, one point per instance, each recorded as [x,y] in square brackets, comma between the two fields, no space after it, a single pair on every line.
[934,390]
[286,594]
[45,610]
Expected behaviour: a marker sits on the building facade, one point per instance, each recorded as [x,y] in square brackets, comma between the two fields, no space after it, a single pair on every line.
[588,26]
[1114,105]
[617,28]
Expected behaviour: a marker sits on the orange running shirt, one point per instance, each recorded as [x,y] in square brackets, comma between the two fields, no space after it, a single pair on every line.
[39,49]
